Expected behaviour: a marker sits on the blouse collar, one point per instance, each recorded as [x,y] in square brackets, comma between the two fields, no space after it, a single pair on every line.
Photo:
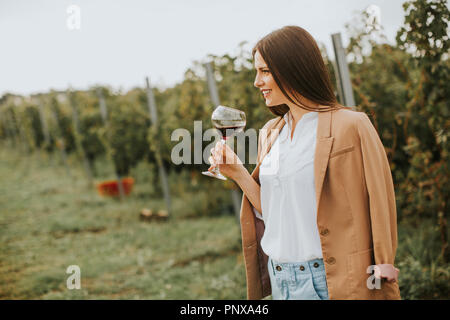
[288,119]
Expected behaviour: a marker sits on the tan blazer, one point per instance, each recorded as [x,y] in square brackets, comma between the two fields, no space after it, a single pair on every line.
[356,211]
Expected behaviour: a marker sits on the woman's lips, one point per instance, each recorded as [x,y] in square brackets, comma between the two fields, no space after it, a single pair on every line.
[266,93]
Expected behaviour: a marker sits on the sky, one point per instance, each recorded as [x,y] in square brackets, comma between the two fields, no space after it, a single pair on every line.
[54,44]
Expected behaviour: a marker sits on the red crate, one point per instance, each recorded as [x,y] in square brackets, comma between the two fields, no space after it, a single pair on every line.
[111,187]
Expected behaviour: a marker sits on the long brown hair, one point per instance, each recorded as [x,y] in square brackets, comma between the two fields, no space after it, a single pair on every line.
[297,66]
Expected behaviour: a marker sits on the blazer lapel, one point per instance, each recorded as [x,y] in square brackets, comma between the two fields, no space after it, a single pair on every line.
[324,142]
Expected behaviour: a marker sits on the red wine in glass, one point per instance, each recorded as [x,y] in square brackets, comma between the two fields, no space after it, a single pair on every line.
[228,121]
[227,132]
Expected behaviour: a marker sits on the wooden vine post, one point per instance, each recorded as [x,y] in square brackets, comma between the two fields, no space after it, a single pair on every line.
[152,109]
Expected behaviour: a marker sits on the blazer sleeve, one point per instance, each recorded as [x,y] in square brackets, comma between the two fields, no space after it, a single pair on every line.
[380,187]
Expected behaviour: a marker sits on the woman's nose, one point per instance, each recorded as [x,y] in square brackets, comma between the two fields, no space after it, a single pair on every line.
[258,83]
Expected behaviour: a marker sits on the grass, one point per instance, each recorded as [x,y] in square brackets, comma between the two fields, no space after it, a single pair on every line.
[49,221]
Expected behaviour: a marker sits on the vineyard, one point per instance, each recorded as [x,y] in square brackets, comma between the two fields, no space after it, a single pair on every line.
[57,147]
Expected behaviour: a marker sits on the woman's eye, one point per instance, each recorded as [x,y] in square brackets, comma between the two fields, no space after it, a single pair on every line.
[266,71]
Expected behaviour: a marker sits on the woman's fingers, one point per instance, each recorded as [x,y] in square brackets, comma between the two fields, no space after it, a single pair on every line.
[215,158]
[396,274]
[225,155]
[387,271]
[222,154]
[218,153]
[212,164]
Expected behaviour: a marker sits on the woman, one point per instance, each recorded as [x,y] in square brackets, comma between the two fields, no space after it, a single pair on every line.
[318,213]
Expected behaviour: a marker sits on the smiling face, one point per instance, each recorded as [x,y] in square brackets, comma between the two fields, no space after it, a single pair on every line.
[265,82]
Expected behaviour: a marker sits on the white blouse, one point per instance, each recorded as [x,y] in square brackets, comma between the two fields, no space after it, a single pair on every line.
[288,198]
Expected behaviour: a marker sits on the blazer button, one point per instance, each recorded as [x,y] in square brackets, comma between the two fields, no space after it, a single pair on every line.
[331,260]
[324,232]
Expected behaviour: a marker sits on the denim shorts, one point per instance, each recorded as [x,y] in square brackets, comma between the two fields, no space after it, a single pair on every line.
[298,280]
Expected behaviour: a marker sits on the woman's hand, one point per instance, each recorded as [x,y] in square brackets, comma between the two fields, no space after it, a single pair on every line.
[228,162]
[387,271]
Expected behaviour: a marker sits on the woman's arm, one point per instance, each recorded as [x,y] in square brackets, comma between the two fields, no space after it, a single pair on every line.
[382,205]
[250,188]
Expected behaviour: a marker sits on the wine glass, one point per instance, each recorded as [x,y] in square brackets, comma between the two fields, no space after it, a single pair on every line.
[228,121]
